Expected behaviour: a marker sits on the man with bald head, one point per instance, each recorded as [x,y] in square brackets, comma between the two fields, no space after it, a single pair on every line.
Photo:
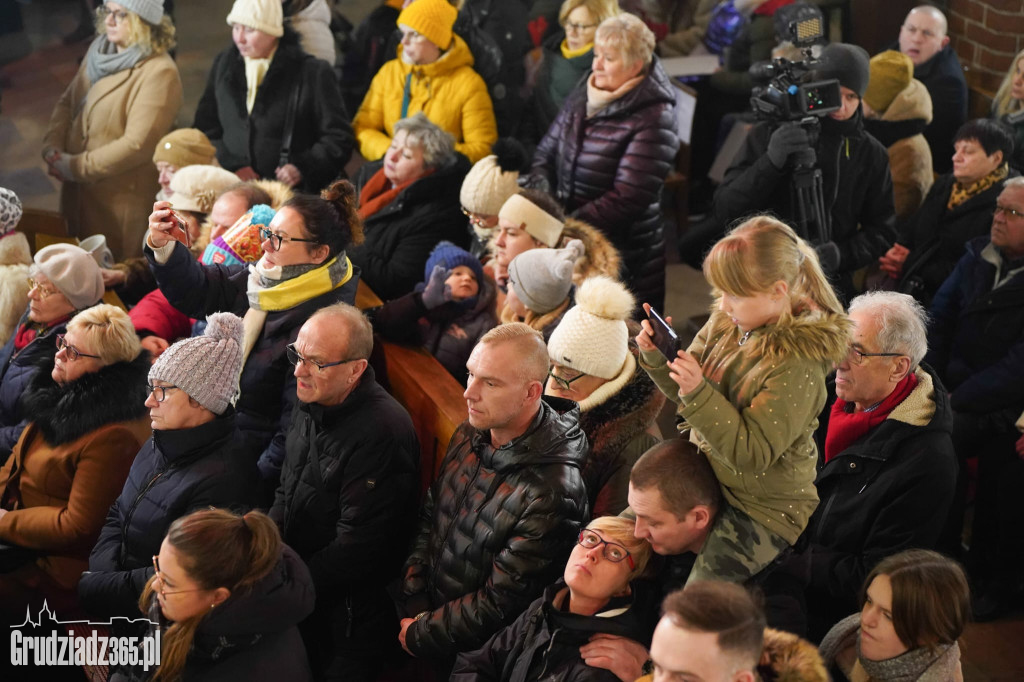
[506,507]
[923,38]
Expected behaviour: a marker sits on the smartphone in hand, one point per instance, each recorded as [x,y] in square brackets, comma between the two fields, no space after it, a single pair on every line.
[665,338]
[182,227]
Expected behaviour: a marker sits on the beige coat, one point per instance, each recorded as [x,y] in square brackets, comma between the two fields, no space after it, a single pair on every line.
[110,131]
[910,159]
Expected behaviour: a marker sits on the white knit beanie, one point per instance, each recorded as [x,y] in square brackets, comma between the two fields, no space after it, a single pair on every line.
[262,15]
[151,11]
[592,337]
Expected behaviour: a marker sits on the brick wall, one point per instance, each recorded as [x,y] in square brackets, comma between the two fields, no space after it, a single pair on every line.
[986,36]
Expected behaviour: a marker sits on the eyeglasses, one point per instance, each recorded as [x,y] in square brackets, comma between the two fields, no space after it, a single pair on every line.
[72,352]
[857,356]
[103,12]
[159,392]
[159,576]
[573,28]
[563,382]
[612,551]
[43,290]
[475,218]
[296,359]
[276,239]
[1009,212]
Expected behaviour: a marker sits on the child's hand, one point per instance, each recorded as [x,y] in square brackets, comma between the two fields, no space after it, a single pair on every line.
[436,292]
[685,371]
[646,333]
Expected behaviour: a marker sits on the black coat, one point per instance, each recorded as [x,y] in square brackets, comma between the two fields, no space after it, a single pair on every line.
[544,641]
[400,236]
[608,170]
[936,236]
[347,504]
[267,383]
[175,472]
[16,371]
[976,335]
[495,529]
[944,77]
[857,188]
[887,492]
[322,138]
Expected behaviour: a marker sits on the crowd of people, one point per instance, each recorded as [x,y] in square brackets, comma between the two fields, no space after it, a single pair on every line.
[195,428]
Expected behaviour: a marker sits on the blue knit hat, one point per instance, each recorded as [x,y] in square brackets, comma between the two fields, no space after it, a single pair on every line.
[451,256]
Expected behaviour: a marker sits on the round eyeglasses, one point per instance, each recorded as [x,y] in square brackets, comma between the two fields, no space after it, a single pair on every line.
[43,290]
[69,350]
[164,592]
[103,12]
[160,392]
[612,551]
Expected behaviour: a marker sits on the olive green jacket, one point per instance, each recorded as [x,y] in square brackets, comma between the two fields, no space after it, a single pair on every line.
[755,413]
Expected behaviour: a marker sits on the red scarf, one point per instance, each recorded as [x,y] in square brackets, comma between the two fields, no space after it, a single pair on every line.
[845,428]
[376,193]
[28,332]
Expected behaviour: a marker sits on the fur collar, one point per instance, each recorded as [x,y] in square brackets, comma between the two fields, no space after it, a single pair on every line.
[599,256]
[788,658]
[918,408]
[115,393]
[14,250]
[813,334]
[621,417]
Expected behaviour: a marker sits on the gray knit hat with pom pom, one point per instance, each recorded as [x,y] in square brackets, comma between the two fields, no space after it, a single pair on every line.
[542,278]
[206,367]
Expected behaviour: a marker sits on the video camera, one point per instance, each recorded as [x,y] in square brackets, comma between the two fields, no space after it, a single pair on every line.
[783,97]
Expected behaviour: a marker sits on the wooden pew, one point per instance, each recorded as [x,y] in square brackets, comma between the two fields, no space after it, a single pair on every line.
[431,395]
[36,223]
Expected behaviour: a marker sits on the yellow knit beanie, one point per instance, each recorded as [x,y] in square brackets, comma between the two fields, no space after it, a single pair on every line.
[891,73]
[432,19]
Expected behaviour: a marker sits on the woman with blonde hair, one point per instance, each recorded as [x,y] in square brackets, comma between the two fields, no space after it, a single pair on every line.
[916,605]
[601,591]
[109,119]
[751,385]
[228,595]
[88,421]
[1008,107]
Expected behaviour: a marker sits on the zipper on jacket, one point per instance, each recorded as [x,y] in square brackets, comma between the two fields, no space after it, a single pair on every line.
[131,512]
[348,610]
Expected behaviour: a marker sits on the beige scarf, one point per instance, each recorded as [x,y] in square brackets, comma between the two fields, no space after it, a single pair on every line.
[598,99]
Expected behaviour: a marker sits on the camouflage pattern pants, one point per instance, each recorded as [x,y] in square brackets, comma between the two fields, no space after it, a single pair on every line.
[736,549]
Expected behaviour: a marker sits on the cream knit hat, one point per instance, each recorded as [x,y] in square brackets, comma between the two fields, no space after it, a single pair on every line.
[195,188]
[592,337]
[538,223]
[262,15]
[493,179]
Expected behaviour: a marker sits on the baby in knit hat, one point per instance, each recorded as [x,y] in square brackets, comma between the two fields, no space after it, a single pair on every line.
[539,286]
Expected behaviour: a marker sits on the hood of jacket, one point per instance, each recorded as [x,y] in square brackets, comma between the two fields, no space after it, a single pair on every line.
[619,419]
[788,658]
[599,256]
[457,56]
[654,89]
[14,250]
[913,102]
[546,441]
[623,616]
[115,393]
[813,334]
[276,603]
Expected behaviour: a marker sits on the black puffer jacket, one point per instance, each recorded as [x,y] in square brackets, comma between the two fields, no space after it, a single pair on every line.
[495,529]
[944,77]
[857,188]
[322,139]
[887,492]
[544,642]
[608,170]
[267,383]
[400,236]
[349,489]
[937,236]
[175,472]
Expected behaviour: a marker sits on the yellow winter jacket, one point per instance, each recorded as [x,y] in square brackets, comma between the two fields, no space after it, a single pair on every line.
[448,91]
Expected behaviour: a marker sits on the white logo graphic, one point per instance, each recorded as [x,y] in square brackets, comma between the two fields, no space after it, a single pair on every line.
[78,643]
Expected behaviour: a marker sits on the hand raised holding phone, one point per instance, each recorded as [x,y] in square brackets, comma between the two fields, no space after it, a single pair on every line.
[165,225]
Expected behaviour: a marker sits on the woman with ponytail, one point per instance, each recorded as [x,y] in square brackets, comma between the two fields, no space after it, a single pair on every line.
[227,596]
[304,267]
[750,387]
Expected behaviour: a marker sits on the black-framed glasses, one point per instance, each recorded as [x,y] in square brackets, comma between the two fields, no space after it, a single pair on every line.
[276,240]
[570,27]
[103,12]
[1008,212]
[69,350]
[296,359]
[612,551]
[43,290]
[857,356]
[562,382]
[159,392]
[475,219]
[160,576]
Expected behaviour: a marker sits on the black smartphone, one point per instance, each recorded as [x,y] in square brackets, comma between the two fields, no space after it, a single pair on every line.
[664,337]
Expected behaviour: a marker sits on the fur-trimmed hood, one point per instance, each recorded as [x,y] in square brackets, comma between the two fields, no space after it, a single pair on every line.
[788,658]
[599,257]
[14,250]
[812,334]
[115,393]
[616,420]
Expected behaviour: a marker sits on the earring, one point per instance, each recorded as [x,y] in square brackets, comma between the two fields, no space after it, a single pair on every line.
[212,605]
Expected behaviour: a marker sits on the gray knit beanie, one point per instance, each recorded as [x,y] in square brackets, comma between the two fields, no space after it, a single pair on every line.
[542,278]
[206,367]
[151,11]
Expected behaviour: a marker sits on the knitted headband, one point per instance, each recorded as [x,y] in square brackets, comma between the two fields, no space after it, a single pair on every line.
[538,223]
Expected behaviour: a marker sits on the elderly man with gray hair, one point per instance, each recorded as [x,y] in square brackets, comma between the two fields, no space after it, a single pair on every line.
[889,469]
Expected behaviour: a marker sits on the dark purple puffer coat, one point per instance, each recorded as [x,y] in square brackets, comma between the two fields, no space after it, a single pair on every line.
[608,170]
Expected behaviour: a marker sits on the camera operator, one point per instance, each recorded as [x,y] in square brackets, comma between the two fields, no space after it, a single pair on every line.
[857,187]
